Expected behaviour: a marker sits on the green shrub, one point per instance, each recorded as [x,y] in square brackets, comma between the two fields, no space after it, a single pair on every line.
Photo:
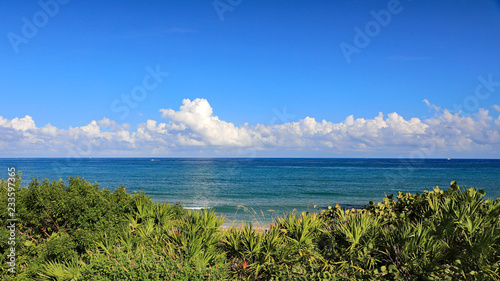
[437,235]
[81,232]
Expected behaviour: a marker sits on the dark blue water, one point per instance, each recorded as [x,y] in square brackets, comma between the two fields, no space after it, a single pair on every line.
[247,189]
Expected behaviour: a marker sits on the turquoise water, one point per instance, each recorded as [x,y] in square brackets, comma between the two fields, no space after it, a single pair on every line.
[257,189]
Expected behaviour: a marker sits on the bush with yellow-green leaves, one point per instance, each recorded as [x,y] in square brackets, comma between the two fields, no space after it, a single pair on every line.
[77,231]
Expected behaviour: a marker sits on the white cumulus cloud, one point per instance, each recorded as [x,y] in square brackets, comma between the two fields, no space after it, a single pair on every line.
[197,120]
[195,129]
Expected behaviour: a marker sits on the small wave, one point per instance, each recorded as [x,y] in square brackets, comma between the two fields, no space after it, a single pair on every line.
[326,193]
[197,208]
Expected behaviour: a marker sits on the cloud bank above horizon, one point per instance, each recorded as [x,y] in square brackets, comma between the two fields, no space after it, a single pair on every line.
[194,131]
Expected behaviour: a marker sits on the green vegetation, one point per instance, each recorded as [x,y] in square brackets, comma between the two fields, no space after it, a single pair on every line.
[81,232]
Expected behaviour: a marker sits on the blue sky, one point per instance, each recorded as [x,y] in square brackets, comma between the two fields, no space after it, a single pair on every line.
[257,65]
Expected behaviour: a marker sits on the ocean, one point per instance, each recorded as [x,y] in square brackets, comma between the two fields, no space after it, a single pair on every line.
[258,189]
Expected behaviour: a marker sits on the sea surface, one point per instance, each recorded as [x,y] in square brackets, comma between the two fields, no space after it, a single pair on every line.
[258,189]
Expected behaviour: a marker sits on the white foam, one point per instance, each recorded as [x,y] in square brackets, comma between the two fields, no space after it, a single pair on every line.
[196,208]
